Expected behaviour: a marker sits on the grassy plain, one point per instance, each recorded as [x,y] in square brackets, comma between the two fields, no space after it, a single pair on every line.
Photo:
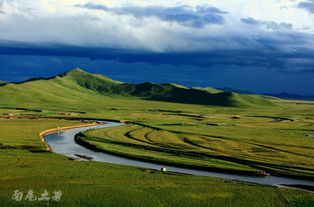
[269,138]
[196,146]
[99,184]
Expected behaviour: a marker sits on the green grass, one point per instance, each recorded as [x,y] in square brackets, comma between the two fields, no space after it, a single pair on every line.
[100,184]
[248,150]
[209,89]
[17,132]
[240,136]
[255,133]
[156,145]
[254,136]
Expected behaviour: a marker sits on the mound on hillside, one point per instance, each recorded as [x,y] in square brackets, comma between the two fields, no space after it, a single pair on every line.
[2,83]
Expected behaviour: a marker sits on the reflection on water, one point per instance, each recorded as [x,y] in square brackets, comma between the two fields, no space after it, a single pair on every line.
[63,143]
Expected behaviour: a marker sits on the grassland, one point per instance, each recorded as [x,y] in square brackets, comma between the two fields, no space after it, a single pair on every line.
[264,137]
[250,136]
[239,142]
[99,184]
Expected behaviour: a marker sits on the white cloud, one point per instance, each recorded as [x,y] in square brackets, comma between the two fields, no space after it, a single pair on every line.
[62,22]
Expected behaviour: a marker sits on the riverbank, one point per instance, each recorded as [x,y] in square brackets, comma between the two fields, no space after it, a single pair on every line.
[193,150]
[60,129]
[64,143]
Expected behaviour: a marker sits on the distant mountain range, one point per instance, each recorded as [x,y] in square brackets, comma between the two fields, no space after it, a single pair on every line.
[278,95]
[291,96]
[78,85]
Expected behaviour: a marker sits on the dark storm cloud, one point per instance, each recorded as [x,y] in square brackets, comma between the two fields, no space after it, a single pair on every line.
[255,79]
[300,60]
[307,5]
[194,17]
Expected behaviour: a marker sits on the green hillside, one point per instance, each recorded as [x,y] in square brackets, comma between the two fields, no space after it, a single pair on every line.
[209,89]
[235,90]
[2,83]
[79,87]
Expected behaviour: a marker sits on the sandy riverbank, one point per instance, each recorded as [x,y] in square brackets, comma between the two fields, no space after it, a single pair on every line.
[59,129]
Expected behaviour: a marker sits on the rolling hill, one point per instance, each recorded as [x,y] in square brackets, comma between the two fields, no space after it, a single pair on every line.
[210,89]
[226,89]
[2,83]
[78,86]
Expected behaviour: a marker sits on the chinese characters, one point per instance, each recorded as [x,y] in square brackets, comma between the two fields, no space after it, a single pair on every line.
[30,196]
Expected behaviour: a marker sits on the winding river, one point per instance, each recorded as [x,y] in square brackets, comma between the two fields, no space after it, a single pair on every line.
[63,143]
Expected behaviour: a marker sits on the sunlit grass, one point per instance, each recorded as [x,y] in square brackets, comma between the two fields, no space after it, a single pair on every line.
[99,184]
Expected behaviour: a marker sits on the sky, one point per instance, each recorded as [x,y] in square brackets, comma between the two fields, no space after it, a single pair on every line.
[260,46]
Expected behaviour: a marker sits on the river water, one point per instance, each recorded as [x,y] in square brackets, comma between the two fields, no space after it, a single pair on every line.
[63,143]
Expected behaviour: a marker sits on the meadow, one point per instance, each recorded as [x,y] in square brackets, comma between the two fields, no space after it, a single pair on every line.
[234,139]
[99,184]
[250,135]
